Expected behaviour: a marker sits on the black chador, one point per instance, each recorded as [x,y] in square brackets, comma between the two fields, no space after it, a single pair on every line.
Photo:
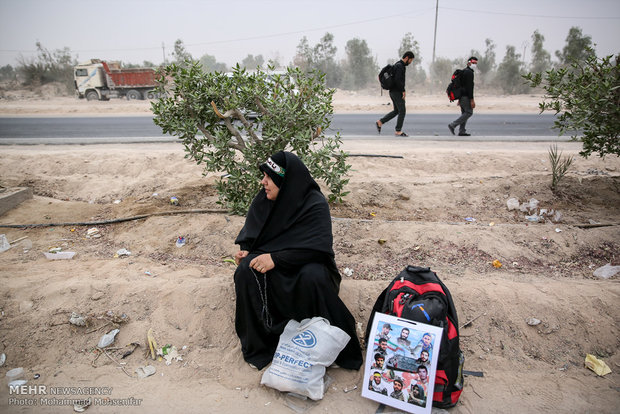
[295,229]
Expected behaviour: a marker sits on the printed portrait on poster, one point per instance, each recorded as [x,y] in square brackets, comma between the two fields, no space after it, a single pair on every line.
[401,362]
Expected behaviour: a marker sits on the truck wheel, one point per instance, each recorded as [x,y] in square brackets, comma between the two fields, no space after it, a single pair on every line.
[150,94]
[133,95]
[92,96]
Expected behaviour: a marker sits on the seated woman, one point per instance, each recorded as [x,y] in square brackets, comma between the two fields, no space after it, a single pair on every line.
[286,268]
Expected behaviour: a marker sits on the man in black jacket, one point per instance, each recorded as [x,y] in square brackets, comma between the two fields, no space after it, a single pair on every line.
[397,94]
[466,101]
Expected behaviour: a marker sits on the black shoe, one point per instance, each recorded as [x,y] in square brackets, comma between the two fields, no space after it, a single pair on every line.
[378,127]
[464,134]
[451,128]
[402,134]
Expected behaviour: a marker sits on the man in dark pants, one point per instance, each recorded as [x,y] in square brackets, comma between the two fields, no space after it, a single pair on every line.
[466,101]
[397,94]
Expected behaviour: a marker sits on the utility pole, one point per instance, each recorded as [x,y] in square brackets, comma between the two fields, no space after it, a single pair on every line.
[435,35]
[434,41]
[163,50]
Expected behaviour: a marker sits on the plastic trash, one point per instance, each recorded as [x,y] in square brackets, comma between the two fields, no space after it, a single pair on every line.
[174,201]
[607,271]
[2,359]
[596,365]
[15,377]
[532,321]
[93,233]
[123,253]
[4,243]
[512,203]
[108,339]
[77,319]
[534,218]
[497,264]
[59,255]
[146,371]
[81,406]
[180,241]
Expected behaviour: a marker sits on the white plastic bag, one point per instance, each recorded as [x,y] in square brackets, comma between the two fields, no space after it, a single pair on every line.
[304,350]
[4,243]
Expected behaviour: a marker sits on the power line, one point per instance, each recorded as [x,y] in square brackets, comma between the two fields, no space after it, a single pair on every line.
[412,13]
[532,15]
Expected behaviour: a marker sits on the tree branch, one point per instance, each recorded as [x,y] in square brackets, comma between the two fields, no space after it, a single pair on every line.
[262,108]
[239,115]
[231,128]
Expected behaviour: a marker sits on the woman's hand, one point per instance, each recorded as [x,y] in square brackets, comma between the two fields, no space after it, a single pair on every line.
[262,263]
[240,255]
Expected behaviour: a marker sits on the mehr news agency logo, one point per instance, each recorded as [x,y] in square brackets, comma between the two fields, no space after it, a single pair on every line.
[43,395]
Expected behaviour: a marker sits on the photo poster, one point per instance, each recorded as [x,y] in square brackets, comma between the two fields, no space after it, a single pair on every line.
[405,377]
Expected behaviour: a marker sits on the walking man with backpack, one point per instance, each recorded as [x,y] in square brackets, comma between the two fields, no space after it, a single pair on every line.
[397,94]
[466,101]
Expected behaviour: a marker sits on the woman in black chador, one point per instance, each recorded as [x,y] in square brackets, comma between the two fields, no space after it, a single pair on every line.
[286,264]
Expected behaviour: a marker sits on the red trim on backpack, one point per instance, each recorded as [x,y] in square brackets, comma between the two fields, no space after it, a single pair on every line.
[441,377]
[451,330]
[421,289]
[455,395]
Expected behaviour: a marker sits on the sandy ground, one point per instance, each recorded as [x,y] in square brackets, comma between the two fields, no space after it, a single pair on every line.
[423,204]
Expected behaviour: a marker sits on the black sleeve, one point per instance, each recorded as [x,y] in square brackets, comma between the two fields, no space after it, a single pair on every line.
[399,76]
[290,259]
[468,83]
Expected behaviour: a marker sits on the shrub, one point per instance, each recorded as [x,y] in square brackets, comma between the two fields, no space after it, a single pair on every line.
[231,122]
[587,93]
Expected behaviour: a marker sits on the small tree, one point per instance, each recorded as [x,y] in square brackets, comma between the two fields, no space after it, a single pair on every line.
[180,54]
[210,64]
[559,166]
[486,64]
[56,66]
[210,113]
[588,94]
[415,73]
[360,68]
[441,70]
[509,73]
[251,62]
[578,47]
[541,59]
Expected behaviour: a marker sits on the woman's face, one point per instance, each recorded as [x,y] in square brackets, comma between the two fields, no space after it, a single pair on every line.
[271,189]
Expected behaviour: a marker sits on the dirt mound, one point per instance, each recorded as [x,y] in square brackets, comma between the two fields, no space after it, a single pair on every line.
[437,206]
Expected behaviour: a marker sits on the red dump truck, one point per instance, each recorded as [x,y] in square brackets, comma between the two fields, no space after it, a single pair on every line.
[101,80]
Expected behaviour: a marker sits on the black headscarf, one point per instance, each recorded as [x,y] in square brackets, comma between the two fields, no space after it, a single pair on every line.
[299,218]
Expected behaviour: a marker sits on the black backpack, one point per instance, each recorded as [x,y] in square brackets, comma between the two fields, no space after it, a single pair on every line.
[455,87]
[386,77]
[417,286]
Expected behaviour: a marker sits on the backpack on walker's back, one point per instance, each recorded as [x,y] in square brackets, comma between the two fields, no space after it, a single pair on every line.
[419,295]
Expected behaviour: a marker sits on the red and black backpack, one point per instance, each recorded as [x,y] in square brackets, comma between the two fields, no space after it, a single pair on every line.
[419,295]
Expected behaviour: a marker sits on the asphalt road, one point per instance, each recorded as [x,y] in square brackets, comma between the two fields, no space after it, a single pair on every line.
[84,130]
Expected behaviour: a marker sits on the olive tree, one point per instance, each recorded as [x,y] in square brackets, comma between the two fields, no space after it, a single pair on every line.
[231,123]
[587,94]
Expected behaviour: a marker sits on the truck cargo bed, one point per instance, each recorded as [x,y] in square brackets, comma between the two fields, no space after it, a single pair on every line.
[138,77]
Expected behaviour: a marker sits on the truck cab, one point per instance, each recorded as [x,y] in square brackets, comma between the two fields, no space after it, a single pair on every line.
[89,79]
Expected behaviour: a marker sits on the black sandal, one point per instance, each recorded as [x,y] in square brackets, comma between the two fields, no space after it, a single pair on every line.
[378,127]
[402,134]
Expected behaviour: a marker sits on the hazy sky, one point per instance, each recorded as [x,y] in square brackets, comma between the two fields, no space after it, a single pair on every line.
[135,30]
